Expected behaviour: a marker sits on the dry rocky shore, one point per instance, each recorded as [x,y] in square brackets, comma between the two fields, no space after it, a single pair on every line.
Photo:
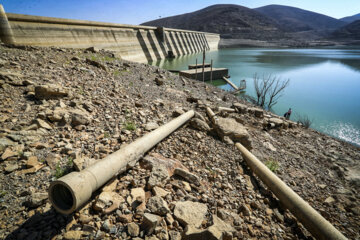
[63,109]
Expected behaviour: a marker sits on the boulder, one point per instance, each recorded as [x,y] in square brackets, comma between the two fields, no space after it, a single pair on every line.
[241,108]
[174,235]
[10,167]
[8,153]
[160,192]
[37,199]
[4,143]
[96,64]
[190,213]
[133,229]
[137,198]
[52,160]
[79,117]
[108,202]
[155,160]
[188,176]
[158,176]
[234,130]
[50,91]
[158,206]
[276,121]
[218,231]
[150,222]
[42,124]
[199,124]
[259,113]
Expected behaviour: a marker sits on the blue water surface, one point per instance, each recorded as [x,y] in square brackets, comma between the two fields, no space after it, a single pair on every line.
[324,83]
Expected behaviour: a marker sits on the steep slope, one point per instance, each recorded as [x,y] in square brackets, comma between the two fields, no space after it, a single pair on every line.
[293,19]
[350,31]
[231,21]
[43,136]
[351,19]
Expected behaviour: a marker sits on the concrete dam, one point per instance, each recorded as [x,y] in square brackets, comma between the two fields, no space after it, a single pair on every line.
[130,42]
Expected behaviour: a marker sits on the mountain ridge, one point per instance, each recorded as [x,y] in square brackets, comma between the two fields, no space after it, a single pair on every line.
[351,19]
[294,19]
[272,24]
[228,20]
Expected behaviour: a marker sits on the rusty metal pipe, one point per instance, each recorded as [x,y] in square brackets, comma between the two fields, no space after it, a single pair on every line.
[70,192]
[309,217]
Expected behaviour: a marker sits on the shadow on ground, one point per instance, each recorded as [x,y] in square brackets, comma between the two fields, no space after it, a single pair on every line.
[41,226]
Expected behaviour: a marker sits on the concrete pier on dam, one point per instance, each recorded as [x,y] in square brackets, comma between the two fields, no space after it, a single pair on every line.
[130,42]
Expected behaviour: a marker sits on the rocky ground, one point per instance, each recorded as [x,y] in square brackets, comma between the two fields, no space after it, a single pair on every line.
[64,109]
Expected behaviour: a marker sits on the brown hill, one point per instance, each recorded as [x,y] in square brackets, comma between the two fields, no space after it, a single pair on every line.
[351,19]
[231,21]
[293,19]
[350,31]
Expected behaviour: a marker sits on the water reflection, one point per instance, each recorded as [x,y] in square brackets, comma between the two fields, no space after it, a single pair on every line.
[324,83]
[288,60]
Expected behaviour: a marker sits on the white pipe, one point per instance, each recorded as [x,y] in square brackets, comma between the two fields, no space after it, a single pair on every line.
[70,192]
[6,34]
[309,217]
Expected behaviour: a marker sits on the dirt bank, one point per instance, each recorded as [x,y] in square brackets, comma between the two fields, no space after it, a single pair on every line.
[62,109]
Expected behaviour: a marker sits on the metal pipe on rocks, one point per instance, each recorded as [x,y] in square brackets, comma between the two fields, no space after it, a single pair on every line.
[70,192]
[309,217]
[6,34]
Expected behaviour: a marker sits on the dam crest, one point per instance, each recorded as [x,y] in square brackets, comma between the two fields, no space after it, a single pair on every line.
[130,42]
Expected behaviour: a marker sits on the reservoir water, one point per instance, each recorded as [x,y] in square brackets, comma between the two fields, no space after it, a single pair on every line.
[324,83]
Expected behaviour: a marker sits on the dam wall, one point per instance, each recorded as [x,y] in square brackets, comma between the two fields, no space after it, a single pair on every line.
[130,42]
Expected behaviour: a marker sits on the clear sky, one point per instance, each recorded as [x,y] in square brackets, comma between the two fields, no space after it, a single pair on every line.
[139,11]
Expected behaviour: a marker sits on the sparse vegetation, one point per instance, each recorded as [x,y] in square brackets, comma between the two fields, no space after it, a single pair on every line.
[273,165]
[2,194]
[59,171]
[116,73]
[304,120]
[70,162]
[130,126]
[268,90]
[106,134]
[103,58]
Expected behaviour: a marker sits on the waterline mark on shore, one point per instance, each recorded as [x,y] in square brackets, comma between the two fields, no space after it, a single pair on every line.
[344,131]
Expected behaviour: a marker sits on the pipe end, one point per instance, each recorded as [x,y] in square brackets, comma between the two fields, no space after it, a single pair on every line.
[62,197]
[71,191]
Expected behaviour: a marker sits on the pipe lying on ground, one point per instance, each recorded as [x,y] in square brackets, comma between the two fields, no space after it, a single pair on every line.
[70,192]
[6,34]
[308,216]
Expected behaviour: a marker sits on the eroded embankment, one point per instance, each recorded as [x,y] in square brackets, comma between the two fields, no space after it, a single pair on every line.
[62,109]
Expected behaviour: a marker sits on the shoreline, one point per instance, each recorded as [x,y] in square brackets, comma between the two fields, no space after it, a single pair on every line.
[289,43]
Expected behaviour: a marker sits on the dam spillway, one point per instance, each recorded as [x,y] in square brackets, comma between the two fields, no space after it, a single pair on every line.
[130,42]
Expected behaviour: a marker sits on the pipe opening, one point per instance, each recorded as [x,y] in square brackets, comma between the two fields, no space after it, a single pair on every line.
[62,197]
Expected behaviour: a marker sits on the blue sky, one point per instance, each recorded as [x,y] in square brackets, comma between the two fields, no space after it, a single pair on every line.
[138,11]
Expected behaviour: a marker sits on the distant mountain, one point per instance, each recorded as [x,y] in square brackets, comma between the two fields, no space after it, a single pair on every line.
[272,25]
[231,21]
[293,19]
[351,18]
[350,31]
